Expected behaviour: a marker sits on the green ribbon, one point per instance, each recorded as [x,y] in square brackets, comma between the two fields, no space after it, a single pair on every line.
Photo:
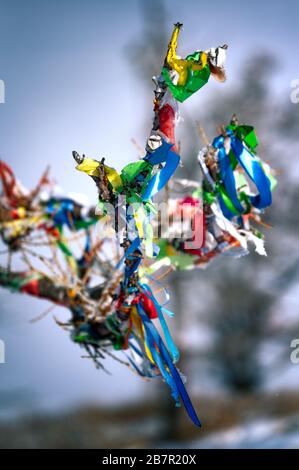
[196,79]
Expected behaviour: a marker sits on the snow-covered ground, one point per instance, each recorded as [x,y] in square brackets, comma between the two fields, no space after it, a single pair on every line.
[264,433]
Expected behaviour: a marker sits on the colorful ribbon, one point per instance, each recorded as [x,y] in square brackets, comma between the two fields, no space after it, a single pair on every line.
[229,199]
[163,360]
[163,154]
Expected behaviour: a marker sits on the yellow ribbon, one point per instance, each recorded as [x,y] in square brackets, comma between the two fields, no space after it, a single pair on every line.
[90,167]
[140,329]
[182,66]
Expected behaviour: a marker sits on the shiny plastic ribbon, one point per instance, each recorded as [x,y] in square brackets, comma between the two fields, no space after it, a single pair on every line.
[193,71]
[255,171]
[163,154]
[135,246]
[229,199]
[167,368]
[166,293]
[170,343]
[59,210]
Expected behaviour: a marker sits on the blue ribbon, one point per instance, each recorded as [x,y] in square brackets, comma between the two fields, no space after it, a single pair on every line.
[59,210]
[162,306]
[228,179]
[150,370]
[163,154]
[170,343]
[130,255]
[253,169]
[162,357]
